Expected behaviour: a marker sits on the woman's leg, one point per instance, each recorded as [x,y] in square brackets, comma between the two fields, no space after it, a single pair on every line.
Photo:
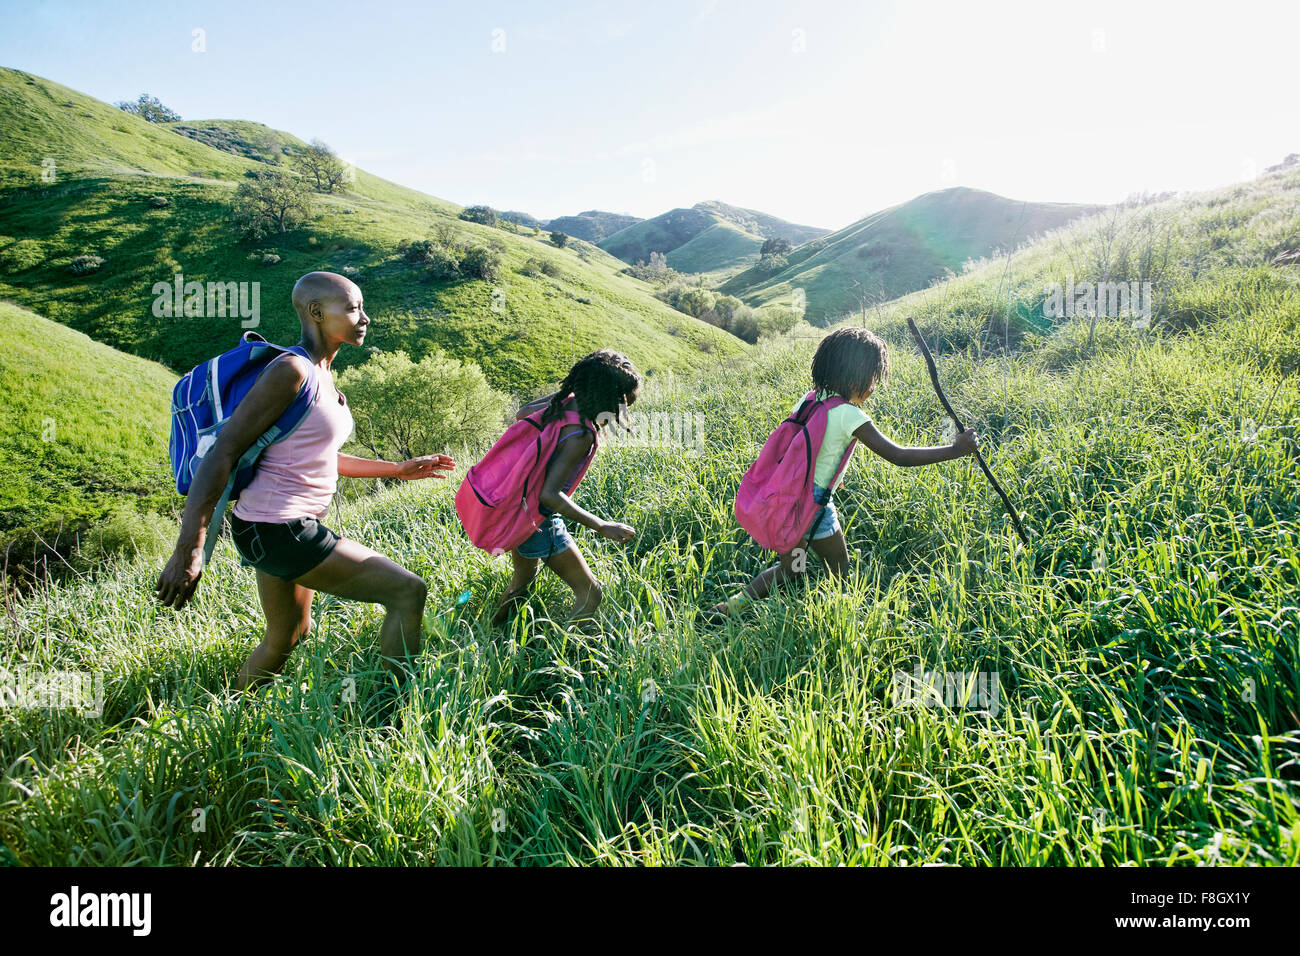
[288,619]
[573,571]
[356,573]
[517,590]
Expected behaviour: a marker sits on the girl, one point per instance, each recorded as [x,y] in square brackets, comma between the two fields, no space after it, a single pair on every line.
[598,387]
[277,523]
[849,363]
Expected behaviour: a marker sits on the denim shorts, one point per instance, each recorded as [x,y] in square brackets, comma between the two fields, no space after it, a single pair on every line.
[829,521]
[548,540]
[285,550]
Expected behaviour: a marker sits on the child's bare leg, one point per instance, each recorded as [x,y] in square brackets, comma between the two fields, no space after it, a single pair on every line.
[834,552]
[780,572]
[516,591]
[573,571]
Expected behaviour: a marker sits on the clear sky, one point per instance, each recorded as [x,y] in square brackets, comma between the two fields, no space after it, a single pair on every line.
[815,112]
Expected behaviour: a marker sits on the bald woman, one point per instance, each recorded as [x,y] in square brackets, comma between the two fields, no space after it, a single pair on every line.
[277,522]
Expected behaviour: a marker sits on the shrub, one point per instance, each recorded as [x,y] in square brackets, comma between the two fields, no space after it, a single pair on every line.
[270,259]
[559,239]
[420,250]
[481,262]
[769,265]
[85,264]
[776,247]
[159,202]
[124,533]
[442,264]
[149,109]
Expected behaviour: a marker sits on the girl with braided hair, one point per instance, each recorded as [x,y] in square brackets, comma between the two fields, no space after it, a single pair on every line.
[599,388]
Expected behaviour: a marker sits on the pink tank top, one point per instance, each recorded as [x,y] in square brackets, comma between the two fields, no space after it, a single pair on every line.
[296,477]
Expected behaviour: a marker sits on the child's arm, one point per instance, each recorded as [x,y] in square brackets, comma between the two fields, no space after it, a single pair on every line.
[964,444]
[568,459]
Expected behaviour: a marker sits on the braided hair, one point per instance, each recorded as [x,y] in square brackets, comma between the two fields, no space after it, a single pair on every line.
[849,361]
[600,382]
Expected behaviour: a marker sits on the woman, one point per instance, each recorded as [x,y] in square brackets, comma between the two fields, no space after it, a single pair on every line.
[276,524]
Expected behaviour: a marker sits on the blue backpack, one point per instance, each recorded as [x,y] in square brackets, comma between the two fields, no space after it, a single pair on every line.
[202,403]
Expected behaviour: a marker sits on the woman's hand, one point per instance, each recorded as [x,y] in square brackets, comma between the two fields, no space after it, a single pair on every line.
[180,578]
[426,466]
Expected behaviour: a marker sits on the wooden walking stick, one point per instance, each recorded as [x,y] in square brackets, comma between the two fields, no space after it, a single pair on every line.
[943,400]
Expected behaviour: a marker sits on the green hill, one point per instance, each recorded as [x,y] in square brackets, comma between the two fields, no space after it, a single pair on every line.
[592,225]
[899,250]
[1145,645]
[710,237]
[83,435]
[545,307]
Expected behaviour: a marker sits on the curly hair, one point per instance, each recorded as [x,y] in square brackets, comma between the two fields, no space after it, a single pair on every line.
[849,361]
[600,382]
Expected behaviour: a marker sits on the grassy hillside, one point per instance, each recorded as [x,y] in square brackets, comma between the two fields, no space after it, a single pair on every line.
[899,250]
[109,165]
[83,435]
[593,225]
[1146,644]
[709,237]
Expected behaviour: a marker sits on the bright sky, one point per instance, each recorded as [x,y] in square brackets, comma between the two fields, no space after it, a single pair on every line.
[815,112]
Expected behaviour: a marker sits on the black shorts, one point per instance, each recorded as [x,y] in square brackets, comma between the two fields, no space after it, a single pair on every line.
[285,550]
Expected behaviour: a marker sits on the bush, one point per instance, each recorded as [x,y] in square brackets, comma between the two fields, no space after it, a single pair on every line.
[481,262]
[560,239]
[270,259]
[776,247]
[443,265]
[84,265]
[770,265]
[420,251]
[22,255]
[404,409]
[159,202]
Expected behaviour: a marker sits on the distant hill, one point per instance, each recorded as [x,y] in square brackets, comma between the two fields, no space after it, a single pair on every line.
[521,218]
[544,307]
[84,429]
[899,250]
[592,225]
[707,237]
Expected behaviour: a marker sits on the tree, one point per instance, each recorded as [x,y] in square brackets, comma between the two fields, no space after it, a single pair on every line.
[149,109]
[776,247]
[560,239]
[483,215]
[321,165]
[271,200]
[405,409]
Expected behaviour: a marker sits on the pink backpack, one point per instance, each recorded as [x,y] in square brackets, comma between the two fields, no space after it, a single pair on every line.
[775,502]
[499,498]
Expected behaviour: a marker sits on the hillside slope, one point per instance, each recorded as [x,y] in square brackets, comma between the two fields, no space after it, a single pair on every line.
[708,237]
[900,249]
[524,328]
[83,432]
